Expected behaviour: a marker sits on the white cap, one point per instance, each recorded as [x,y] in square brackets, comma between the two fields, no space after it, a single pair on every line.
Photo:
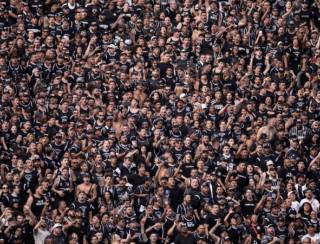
[128,42]
[57,225]
[269,163]
[112,46]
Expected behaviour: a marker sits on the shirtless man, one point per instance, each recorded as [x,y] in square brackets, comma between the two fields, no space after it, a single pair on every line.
[268,130]
[88,188]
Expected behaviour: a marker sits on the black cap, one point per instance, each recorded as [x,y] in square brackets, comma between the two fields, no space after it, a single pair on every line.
[268,181]
[109,117]
[266,145]
[309,224]
[300,175]
[157,120]
[106,32]
[183,224]
[291,23]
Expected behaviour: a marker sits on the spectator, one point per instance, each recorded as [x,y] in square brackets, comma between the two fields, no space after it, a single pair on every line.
[159,121]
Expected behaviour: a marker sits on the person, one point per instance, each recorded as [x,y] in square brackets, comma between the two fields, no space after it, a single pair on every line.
[309,198]
[40,231]
[37,202]
[88,188]
[142,194]
[159,113]
[84,207]
[183,236]
[57,234]
[63,186]
[311,235]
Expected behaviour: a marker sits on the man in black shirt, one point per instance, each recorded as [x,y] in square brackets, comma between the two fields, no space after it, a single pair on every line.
[57,234]
[84,206]
[248,204]
[143,195]
[184,237]
[212,217]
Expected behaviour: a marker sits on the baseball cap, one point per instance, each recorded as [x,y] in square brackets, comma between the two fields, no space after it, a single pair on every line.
[270,162]
[57,225]
[112,46]
[291,23]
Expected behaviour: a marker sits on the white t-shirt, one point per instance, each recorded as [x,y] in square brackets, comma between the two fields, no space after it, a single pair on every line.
[40,235]
[315,239]
[314,203]
[295,205]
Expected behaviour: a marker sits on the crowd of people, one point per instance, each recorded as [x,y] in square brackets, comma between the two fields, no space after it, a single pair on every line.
[159,121]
